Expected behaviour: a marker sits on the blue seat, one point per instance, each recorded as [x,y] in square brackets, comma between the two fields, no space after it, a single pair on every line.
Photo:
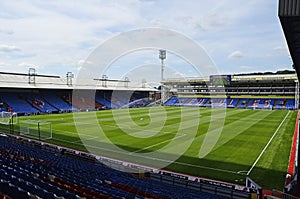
[20,193]
[4,186]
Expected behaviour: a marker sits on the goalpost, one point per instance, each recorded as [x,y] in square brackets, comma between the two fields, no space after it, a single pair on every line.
[41,130]
[7,118]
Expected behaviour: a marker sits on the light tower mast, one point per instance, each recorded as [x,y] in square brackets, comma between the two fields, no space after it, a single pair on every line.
[162,57]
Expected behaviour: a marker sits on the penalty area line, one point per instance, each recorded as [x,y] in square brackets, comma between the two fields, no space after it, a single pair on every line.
[265,148]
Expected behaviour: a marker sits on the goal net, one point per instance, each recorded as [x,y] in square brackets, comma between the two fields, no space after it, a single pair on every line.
[41,130]
[7,118]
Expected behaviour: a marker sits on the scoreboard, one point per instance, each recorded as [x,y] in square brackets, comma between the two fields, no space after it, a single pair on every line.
[218,80]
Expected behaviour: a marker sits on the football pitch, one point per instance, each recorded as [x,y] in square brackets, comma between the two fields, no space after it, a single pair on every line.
[221,144]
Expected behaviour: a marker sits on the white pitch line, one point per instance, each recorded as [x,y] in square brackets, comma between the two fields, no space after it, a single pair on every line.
[91,138]
[180,136]
[262,152]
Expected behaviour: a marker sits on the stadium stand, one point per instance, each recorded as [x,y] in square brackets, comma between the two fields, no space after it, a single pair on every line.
[26,102]
[39,103]
[172,101]
[274,91]
[29,169]
[56,101]
[52,94]
[137,103]
[242,103]
[102,97]
[85,102]
[242,91]
[233,103]
[17,102]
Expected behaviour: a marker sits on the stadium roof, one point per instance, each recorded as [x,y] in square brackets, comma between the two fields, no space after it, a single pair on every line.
[289,15]
[276,77]
[25,81]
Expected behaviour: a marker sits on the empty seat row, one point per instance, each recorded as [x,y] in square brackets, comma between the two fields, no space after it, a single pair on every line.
[233,103]
[27,171]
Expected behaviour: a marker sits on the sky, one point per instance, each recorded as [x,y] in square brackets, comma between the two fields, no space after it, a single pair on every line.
[56,37]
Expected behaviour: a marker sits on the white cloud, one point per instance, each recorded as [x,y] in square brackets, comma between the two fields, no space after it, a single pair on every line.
[82,62]
[280,49]
[6,31]
[9,48]
[215,22]
[27,65]
[247,67]
[3,64]
[79,68]
[235,54]
[178,74]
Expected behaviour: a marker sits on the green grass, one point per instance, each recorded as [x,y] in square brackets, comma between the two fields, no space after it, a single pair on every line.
[133,134]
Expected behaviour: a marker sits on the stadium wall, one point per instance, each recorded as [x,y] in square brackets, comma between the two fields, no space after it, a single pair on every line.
[292,179]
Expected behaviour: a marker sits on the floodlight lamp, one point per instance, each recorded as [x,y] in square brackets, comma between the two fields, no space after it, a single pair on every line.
[162,54]
[104,77]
